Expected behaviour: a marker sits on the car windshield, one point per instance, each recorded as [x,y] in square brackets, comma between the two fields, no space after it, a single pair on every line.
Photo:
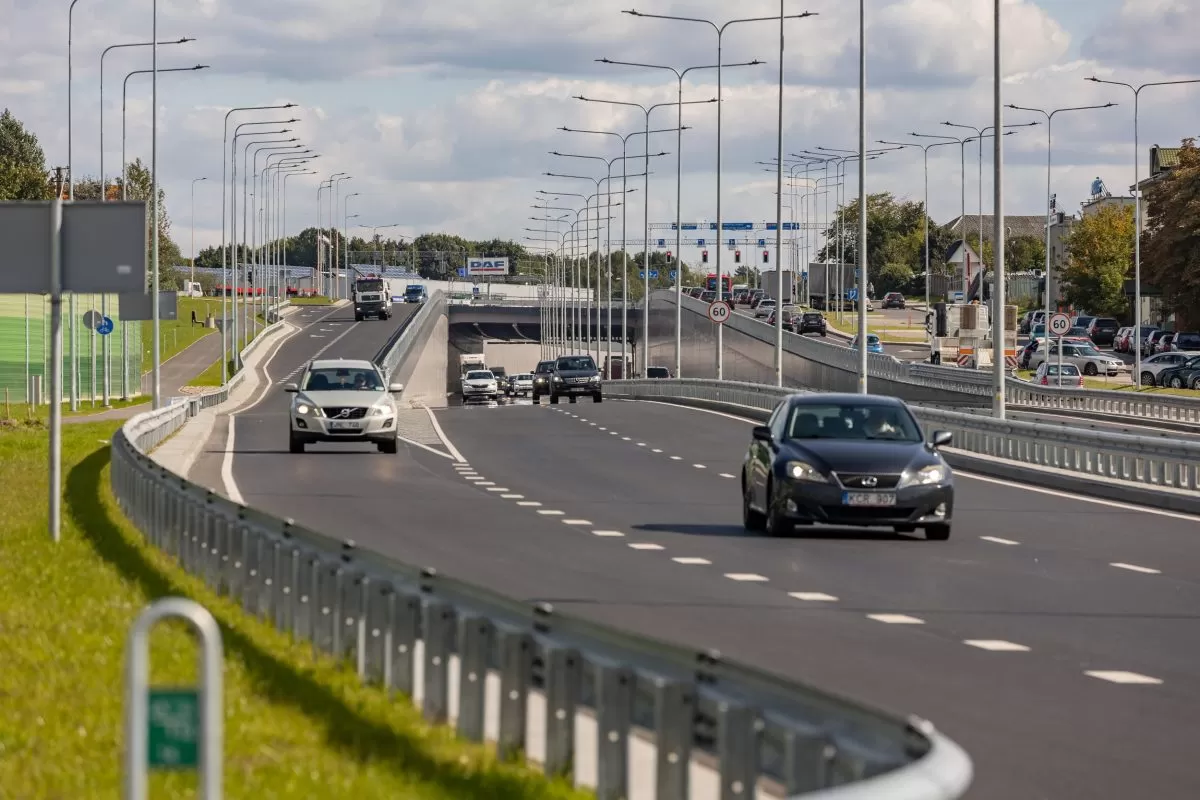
[580,363]
[338,379]
[810,317]
[480,375]
[1067,369]
[852,421]
[369,285]
[1192,363]
[657,372]
[545,366]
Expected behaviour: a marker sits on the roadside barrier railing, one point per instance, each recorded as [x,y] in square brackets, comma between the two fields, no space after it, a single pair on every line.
[508,666]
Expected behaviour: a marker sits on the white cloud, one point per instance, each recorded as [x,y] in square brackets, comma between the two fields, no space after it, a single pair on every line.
[444,112]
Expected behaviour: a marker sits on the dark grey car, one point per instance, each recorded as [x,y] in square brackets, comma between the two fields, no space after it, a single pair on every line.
[575,376]
[846,460]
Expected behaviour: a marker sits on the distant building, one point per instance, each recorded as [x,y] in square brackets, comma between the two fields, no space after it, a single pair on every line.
[1162,161]
[1016,226]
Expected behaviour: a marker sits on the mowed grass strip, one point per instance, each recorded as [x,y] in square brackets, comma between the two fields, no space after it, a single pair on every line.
[314,300]
[295,726]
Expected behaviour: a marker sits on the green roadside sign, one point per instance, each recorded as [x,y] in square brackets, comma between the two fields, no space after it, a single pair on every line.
[173,729]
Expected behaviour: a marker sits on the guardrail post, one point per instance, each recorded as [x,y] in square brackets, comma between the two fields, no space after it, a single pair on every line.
[362,606]
[614,712]
[674,719]
[308,598]
[173,728]
[737,748]
[380,603]
[475,643]
[289,578]
[438,639]
[342,591]
[807,755]
[563,671]
[405,627]
[516,674]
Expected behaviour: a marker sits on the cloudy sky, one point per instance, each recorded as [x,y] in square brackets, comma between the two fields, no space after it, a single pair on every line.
[444,111]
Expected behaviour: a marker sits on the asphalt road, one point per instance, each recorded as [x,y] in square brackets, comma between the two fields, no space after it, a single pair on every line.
[631,501]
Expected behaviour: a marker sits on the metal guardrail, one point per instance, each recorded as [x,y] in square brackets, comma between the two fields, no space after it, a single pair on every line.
[412,336]
[1161,407]
[394,622]
[1149,461]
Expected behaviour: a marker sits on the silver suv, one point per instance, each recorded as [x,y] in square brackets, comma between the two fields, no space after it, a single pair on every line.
[343,400]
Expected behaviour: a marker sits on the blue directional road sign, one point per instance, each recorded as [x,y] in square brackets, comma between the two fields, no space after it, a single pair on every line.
[673,274]
[732,243]
[662,242]
[105,327]
[462,272]
[852,294]
[699,243]
[762,242]
[653,274]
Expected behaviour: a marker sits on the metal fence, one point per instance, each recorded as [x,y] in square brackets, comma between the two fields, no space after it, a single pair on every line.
[1151,462]
[498,667]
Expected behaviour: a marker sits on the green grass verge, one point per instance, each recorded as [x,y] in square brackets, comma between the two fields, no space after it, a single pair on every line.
[21,412]
[295,726]
[176,334]
[315,300]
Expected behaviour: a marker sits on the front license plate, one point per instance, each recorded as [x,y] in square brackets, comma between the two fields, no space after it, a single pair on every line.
[873,499]
[344,425]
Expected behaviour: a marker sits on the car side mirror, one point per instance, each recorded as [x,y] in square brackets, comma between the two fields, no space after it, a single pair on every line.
[761,433]
[395,388]
[291,387]
[942,438]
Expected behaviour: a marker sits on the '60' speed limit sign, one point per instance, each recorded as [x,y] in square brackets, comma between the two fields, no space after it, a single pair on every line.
[719,311]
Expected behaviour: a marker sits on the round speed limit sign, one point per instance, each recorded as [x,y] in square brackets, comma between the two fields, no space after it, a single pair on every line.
[1060,324]
[719,311]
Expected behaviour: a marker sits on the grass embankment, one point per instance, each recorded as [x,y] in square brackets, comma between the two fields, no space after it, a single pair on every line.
[19,413]
[1122,384]
[176,334]
[315,300]
[881,325]
[295,726]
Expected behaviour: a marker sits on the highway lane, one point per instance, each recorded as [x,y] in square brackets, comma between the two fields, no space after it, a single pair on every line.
[1053,593]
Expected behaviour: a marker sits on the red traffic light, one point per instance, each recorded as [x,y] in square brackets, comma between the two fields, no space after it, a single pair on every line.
[668,255]
[766,256]
[737,256]
[704,256]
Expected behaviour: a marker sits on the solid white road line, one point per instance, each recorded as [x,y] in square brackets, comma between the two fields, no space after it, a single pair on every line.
[813,597]
[646,546]
[746,576]
[437,428]
[998,540]
[1136,568]
[690,560]
[435,451]
[608,534]
[996,645]
[1118,676]
[896,619]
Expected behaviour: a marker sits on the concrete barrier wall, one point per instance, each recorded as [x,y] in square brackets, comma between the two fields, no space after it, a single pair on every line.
[427,385]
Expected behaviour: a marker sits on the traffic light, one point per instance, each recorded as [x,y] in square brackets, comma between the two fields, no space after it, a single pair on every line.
[668,255]
[704,256]
[766,256]
[737,256]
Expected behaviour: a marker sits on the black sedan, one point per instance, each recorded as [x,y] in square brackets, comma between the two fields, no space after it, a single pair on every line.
[846,460]
[1183,376]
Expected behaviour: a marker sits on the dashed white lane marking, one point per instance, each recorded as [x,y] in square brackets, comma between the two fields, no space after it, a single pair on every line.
[626,439]
[998,540]
[646,546]
[896,619]
[529,503]
[613,433]
[1118,676]
[813,597]
[727,475]
[497,488]
[485,483]
[690,560]
[656,450]
[608,534]
[746,576]
[594,425]
[550,512]
[512,496]
[577,522]
[699,466]
[996,645]
[603,429]
[1136,568]
[641,444]
[676,458]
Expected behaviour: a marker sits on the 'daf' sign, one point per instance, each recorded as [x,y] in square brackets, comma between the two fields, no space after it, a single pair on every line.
[487,266]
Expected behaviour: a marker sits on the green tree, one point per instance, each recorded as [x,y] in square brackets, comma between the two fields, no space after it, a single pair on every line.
[1025,253]
[22,162]
[895,240]
[1099,257]
[1171,237]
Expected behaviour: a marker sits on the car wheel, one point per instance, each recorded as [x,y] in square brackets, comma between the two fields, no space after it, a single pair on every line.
[295,444]
[553,399]
[938,533]
[1090,369]
[391,446]
[1147,379]
[751,520]
[535,398]
[1176,382]
[776,524]
[597,398]
[358,318]
[574,399]
[822,333]
[1196,383]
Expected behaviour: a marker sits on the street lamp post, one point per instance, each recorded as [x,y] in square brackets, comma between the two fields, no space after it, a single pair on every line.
[646,111]
[338,246]
[346,230]
[624,239]
[608,300]
[569,300]
[719,29]
[283,226]
[242,329]
[1137,212]
[226,191]
[679,76]
[1049,115]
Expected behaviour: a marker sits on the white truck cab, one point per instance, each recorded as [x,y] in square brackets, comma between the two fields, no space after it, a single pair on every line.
[372,298]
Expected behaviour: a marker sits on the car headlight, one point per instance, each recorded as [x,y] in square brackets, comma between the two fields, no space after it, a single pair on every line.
[557,379]
[594,379]
[800,471]
[926,476]
[381,410]
[303,408]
